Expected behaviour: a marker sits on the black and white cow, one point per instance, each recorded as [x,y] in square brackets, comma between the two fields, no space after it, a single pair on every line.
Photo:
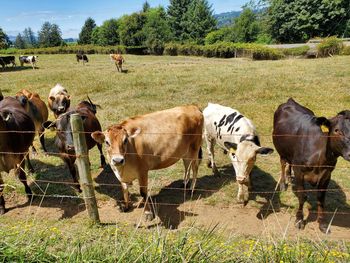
[82,57]
[237,135]
[28,60]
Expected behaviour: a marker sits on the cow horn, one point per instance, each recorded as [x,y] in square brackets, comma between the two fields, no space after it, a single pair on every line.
[89,100]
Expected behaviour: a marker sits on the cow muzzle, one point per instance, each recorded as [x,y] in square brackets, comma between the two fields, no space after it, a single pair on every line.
[118,160]
[61,109]
[70,148]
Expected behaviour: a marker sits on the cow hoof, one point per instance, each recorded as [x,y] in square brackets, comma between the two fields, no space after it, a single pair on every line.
[300,224]
[283,187]
[124,209]
[324,228]
[149,216]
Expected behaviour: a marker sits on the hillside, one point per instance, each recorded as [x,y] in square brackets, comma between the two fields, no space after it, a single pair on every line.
[226,18]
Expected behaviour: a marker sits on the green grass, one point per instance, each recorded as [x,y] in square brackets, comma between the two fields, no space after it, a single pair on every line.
[154,83]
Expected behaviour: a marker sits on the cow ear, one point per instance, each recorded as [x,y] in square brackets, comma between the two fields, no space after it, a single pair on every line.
[52,98]
[134,132]
[324,124]
[49,125]
[264,150]
[230,145]
[98,136]
[68,97]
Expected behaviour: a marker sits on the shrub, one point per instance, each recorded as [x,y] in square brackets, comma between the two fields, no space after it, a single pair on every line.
[346,51]
[295,51]
[329,47]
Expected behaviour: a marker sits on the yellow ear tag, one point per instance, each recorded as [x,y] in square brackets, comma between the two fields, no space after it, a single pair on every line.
[324,128]
[232,150]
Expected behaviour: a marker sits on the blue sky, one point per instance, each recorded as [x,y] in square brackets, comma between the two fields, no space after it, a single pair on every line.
[70,15]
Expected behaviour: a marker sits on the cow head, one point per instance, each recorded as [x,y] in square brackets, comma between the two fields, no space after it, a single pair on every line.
[243,156]
[116,139]
[64,133]
[339,132]
[60,103]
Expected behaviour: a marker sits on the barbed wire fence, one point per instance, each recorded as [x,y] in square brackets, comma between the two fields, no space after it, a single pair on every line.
[199,191]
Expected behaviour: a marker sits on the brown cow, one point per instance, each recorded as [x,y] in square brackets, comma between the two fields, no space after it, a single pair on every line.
[17,132]
[36,109]
[58,100]
[311,146]
[151,142]
[119,60]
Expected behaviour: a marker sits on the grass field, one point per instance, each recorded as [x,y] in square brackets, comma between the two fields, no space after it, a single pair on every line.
[153,83]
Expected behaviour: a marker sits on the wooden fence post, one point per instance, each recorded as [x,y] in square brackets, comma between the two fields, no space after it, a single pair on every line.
[83,164]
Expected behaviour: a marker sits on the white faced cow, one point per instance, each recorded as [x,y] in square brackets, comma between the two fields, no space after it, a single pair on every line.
[151,142]
[237,135]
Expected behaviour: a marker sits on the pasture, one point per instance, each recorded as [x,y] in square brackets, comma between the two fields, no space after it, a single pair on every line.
[212,218]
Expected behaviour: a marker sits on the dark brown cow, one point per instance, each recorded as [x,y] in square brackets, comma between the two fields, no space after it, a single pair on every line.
[311,145]
[151,142]
[17,132]
[36,109]
[64,136]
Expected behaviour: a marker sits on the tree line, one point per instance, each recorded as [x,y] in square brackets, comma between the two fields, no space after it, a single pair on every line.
[192,21]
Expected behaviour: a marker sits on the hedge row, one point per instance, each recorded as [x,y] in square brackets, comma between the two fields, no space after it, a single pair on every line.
[224,50]
[73,49]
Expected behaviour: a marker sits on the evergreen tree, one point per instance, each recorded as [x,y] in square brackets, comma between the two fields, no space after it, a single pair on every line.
[86,31]
[29,38]
[49,35]
[145,6]
[19,42]
[199,21]
[176,16]
[55,36]
[4,40]
[300,20]
[246,26]
[156,30]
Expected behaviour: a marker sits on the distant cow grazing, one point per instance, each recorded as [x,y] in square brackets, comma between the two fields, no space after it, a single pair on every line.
[28,60]
[14,145]
[311,145]
[119,60]
[64,136]
[36,109]
[7,60]
[82,57]
[58,100]
[151,142]
[237,135]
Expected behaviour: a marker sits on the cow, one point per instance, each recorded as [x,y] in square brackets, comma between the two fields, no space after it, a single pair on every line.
[237,135]
[311,146]
[28,60]
[150,142]
[37,110]
[118,60]
[82,57]
[8,60]
[17,132]
[58,100]
[64,136]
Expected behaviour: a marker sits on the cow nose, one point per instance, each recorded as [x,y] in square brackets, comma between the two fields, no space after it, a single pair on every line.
[70,147]
[60,108]
[118,160]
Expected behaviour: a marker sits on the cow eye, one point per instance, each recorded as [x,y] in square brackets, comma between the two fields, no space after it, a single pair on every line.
[125,141]
[107,143]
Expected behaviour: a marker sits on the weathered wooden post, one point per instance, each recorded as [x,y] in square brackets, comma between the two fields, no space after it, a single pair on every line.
[83,164]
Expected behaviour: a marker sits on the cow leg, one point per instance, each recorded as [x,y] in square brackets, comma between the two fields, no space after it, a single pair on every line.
[282,182]
[125,206]
[2,200]
[42,139]
[22,177]
[299,221]
[73,171]
[102,157]
[187,164]
[321,196]
[29,164]
[143,182]
[210,147]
